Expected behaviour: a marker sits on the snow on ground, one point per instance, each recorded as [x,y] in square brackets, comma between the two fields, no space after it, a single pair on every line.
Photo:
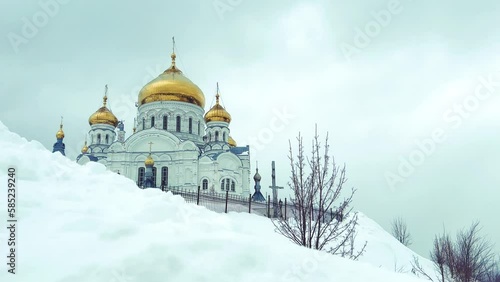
[84,223]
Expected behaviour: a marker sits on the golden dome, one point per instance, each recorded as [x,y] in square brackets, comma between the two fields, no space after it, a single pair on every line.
[85,149]
[171,85]
[217,112]
[60,132]
[149,161]
[103,115]
[231,142]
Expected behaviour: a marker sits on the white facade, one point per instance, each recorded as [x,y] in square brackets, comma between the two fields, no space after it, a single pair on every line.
[187,151]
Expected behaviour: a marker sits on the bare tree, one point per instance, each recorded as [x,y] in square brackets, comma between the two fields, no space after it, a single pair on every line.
[317,184]
[400,231]
[469,259]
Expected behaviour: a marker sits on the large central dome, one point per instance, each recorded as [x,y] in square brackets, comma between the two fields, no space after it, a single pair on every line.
[171,85]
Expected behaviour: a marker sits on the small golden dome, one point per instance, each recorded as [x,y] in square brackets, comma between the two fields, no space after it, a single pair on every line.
[85,149]
[149,161]
[217,112]
[60,132]
[231,142]
[171,85]
[103,115]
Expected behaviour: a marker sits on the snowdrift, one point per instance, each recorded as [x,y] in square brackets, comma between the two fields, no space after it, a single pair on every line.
[84,223]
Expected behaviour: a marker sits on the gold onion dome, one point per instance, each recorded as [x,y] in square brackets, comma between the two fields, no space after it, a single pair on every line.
[60,132]
[103,115]
[217,112]
[149,161]
[231,142]
[85,148]
[171,85]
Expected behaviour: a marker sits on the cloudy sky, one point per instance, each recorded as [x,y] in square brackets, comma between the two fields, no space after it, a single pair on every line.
[408,90]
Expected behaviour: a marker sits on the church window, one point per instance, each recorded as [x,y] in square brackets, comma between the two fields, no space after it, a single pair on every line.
[228,182]
[152,122]
[216,136]
[209,136]
[154,176]
[165,122]
[143,123]
[204,184]
[224,136]
[178,124]
[233,185]
[164,176]
[107,139]
[140,177]
[199,132]
[190,125]
[98,138]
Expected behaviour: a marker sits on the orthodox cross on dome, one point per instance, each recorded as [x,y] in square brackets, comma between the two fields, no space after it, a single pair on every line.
[61,125]
[173,45]
[217,95]
[150,145]
[105,98]
[173,56]
[277,212]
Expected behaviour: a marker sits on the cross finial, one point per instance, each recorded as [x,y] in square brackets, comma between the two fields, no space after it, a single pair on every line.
[173,45]
[61,126]
[105,98]
[173,56]
[217,95]
[150,145]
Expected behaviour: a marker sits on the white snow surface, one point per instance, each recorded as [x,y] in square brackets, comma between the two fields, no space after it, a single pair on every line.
[85,223]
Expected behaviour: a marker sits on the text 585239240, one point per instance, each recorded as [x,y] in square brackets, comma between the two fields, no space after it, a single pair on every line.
[11,220]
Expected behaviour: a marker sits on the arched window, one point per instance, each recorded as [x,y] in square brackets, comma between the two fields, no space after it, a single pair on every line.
[140,177]
[143,123]
[216,136]
[199,132]
[152,122]
[224,136]
[209,136]
[165,122]
[107,139]
[154,177]
[178,124]
[204,184]
[164,176]
[99,138]
[228,185]
[190,125]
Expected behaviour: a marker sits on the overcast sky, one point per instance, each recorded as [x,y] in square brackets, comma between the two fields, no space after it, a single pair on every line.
[381,77]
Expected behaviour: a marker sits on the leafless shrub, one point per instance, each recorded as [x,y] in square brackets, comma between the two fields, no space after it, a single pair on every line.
[317,184]
[400,231]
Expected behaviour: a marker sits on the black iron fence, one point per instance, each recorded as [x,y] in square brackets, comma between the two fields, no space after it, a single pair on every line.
[227,202]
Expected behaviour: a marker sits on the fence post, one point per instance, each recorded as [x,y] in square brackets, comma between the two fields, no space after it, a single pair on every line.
[198,196]
[227,195]
[285,208]
[269,206]
[250,203]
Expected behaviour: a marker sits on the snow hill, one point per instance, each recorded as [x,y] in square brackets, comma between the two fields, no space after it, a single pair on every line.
[84,223]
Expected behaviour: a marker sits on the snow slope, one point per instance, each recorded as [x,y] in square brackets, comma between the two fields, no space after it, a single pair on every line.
[84,223]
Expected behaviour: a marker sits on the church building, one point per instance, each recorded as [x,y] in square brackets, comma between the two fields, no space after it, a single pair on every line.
[174,143]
